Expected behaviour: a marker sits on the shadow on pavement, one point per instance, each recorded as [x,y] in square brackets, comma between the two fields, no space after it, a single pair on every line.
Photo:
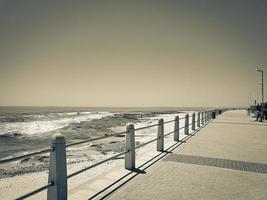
[141,169]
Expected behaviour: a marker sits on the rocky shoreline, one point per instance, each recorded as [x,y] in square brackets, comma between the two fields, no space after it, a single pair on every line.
[82,153]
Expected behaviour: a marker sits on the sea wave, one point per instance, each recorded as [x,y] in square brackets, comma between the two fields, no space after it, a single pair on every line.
[43,123]
[10,135]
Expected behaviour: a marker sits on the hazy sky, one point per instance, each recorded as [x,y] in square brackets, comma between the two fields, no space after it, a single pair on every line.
[132,53]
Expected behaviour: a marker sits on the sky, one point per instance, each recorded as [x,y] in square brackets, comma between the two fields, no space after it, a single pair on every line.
[173,53]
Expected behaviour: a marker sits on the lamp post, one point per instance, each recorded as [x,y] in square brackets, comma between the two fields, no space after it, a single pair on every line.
[262,86]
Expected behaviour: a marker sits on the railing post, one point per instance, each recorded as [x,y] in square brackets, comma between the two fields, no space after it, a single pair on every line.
[211,115]
[160,140]
[202,117]
[194,121]
[186,124]
[206,117]
[176,129]
[198,119]
[130,147]
[58,169]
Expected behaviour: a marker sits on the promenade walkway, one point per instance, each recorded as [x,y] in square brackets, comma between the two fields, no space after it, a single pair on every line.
[225,160]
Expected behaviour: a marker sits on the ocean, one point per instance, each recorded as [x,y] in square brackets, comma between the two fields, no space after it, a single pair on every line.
[23,129]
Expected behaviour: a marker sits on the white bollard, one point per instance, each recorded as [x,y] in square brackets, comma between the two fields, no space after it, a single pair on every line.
[210,115]
[58,169]
[176,129]
[160,140]
[130,147]
[194,121]
[186,124]
[198,119]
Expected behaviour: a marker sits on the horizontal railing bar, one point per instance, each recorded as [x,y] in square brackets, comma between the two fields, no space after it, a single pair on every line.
[40,189]
[169,121]
[94,139]
[96,164]
[146,143]
[169,133]
[141,145]
[99,138]
[144,127]
[26,156]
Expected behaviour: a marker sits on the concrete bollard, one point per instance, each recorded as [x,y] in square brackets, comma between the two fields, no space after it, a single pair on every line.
[186,124]
[194,121]
[176,129]
[202,117]
[160,140]
[213,115]
[130,147]
[210,117]
[198,119]
[58,169]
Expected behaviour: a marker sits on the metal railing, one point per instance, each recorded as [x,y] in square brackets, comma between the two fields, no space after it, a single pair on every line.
[26,155]
[57,180]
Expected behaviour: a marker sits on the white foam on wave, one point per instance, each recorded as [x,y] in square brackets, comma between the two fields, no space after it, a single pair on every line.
[49,123]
